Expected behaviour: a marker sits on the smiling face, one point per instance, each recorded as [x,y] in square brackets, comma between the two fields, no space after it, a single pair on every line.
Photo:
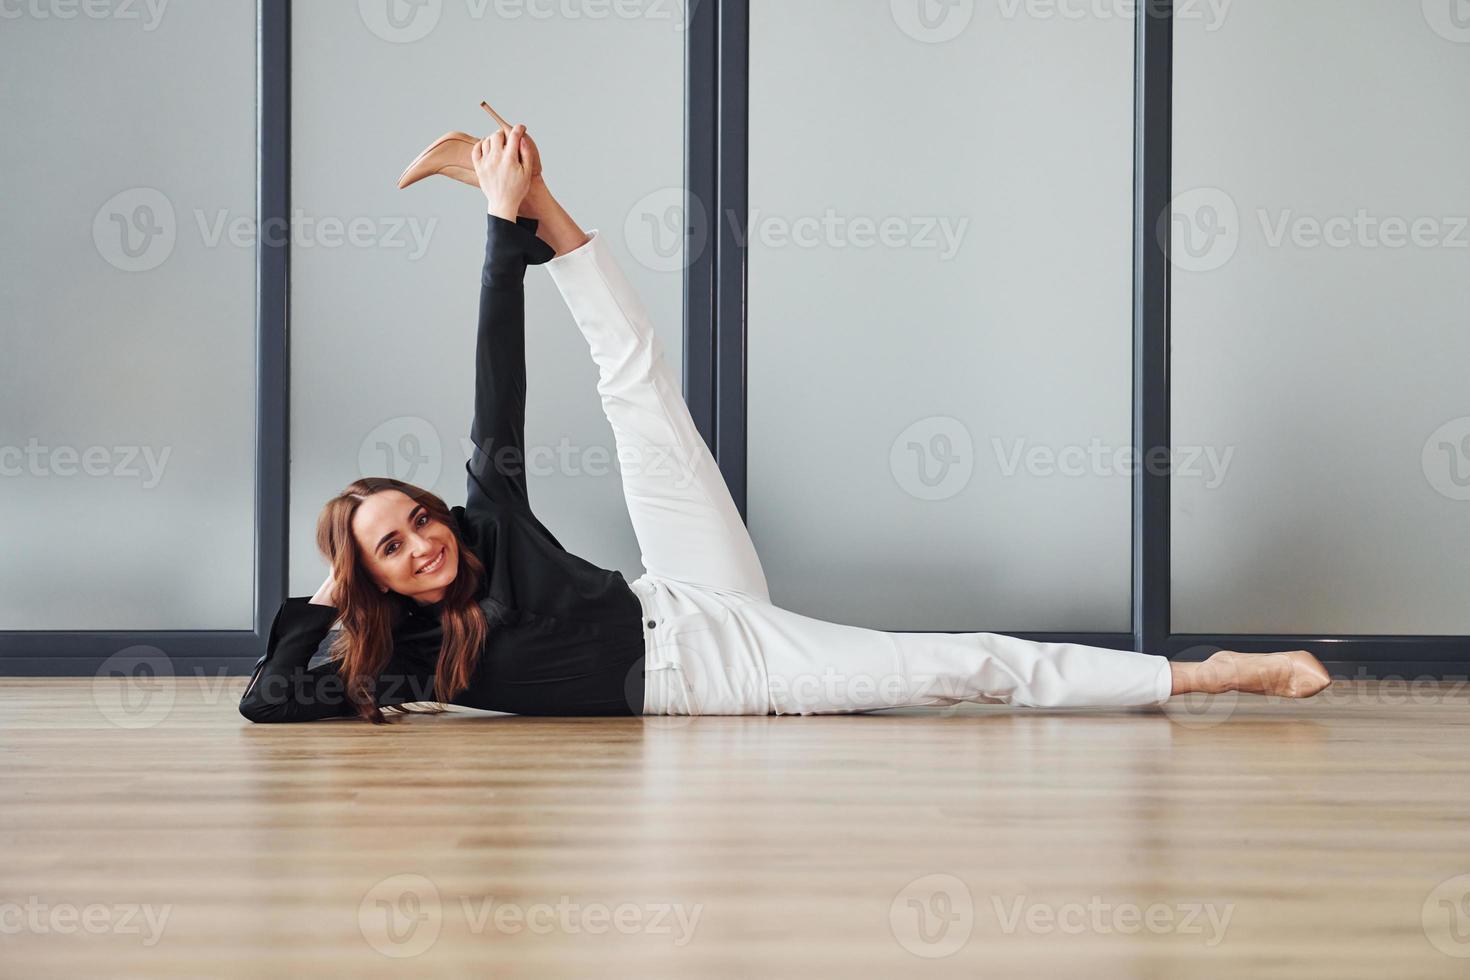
[404,548]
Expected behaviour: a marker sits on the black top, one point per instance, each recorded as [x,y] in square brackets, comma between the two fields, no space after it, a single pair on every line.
[565,637]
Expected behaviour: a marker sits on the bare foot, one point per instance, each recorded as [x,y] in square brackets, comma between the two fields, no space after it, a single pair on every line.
[1294,674]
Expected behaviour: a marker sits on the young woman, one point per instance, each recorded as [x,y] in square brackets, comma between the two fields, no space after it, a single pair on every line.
[481,606]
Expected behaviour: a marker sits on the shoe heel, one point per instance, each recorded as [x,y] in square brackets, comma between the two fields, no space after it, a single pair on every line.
[497,117]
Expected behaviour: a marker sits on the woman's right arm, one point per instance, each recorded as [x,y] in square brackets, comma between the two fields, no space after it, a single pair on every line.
[283,688]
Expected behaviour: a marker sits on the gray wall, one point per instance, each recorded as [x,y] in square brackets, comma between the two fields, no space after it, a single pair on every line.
[1317,334]
[918,402]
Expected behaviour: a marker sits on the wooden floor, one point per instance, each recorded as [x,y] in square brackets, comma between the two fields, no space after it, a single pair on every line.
[157,833]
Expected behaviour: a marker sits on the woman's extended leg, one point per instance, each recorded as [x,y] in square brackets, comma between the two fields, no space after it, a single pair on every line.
[756,658]
[816,667]
[687,525]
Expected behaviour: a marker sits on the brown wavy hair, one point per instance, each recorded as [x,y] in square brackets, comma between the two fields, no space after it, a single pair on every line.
[366,641]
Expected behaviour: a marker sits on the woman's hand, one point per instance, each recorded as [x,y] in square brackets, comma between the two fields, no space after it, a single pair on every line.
[504,165]
[327,594]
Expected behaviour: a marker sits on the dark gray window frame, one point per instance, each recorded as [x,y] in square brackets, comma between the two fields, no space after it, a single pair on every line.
[716,129]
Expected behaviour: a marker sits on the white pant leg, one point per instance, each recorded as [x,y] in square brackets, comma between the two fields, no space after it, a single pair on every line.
[686,522]
[815,667]
[729,655]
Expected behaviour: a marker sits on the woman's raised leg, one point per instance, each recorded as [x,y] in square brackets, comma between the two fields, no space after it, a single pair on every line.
[687,525]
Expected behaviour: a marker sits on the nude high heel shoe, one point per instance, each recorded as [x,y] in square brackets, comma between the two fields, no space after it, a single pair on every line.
[449,155]
[1294,674]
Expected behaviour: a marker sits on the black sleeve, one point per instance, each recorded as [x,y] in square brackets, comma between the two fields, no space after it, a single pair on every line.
[282,688]
[497,472]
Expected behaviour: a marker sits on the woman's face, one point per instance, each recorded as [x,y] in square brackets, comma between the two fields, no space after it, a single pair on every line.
[404,548]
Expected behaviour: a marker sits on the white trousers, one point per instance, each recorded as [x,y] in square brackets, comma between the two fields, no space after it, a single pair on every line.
[716,643]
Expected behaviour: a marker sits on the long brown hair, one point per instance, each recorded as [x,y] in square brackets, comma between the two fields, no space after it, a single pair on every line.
[366,641]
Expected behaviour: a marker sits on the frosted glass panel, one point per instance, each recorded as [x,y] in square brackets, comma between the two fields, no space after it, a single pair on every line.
[1322,318]
[940,313]
[383,324]
[127,385]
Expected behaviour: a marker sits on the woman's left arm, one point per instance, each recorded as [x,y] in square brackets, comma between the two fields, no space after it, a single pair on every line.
[497,465]
[282,687]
